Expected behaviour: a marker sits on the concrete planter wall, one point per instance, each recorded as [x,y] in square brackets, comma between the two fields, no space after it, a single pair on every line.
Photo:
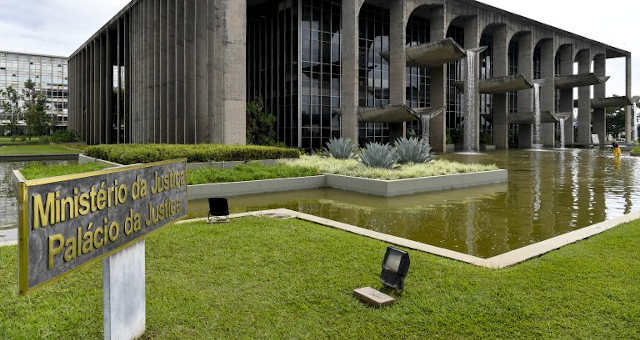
[367,186]
[229,165]
[255,187]
[635,154]
[415,185]
[39,158]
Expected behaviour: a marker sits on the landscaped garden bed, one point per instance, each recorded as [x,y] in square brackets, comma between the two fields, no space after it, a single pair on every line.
[635,151]
[354,168]
[273,278]
[147,153]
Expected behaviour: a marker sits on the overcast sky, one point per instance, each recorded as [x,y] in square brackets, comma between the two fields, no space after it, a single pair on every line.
[60,26]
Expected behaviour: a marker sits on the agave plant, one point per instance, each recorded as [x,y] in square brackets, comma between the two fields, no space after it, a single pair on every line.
[413,150]
[341,148]
[377,155]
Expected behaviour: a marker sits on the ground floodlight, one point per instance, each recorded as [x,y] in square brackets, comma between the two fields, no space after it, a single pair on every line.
[218,210]
[395,268]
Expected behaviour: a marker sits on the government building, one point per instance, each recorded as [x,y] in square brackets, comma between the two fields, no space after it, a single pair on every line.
[458,72]
[48,73]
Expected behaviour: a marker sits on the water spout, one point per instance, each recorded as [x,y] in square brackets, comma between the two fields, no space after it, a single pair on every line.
[537,122]
[562,138]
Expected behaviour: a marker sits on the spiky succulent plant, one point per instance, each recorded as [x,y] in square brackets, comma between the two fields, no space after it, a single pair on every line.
[413,150]
[342,148]
[378,155]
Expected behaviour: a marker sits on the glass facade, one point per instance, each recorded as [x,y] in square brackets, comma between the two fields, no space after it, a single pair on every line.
[486,100]
[320,39]
[373,81]
[50,75]
[512,97]
[272,64]
[418,78]
[455,96]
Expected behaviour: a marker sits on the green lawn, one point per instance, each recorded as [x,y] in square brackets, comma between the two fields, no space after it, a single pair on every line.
[263,278]
[41,149]
[35,170]
[247,172]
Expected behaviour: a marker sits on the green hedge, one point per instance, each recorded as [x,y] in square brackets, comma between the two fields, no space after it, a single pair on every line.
[146,153]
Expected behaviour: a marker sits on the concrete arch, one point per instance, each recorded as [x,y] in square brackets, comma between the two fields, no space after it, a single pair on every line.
[564,58]
[490,27]
[513,36]
[578,52]
[414,5]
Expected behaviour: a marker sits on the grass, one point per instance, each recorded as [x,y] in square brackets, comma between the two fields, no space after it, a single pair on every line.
[636,149]
[41,149]
[247,172]
[265,278]
[35,170]
[352,167]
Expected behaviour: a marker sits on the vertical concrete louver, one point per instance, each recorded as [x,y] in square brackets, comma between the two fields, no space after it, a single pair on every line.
[178,67]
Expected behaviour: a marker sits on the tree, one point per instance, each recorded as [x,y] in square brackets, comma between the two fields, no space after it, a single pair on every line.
[11,109]
[38,122]
[616,122]
[260,125]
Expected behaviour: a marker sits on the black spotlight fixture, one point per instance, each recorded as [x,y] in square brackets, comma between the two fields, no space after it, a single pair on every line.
[218,210]
[395,268]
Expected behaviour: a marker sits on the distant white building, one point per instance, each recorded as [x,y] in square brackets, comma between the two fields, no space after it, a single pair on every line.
[49,73]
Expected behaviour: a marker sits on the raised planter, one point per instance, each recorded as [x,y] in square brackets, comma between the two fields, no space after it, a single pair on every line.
[635,154]
[401,187]
[200,191]
[375,187]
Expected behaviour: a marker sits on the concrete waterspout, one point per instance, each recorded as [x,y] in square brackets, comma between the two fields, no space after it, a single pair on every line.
[537,121]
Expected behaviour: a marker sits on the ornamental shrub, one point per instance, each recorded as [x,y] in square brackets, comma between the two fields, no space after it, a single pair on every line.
[413,150]
[147,153]
[377,155]
[341,148]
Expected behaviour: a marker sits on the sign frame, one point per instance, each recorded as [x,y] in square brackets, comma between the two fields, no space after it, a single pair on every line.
[23,221]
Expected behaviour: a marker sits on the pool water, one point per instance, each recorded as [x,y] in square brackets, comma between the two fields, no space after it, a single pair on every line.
[550,192]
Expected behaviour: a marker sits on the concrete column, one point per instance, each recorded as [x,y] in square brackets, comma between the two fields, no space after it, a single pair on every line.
[566,95]
[438,125]
[600,91]
[548,92]
[349,45]
[398,61]
[629,109]
[500,104]
[525,97]
[584,101]
[231,34]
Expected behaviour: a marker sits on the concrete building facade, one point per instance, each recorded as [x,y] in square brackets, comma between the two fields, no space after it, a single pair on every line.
[50,76]
[453,71]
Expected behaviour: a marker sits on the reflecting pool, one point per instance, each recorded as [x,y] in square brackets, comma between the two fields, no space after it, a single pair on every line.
[550,192]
